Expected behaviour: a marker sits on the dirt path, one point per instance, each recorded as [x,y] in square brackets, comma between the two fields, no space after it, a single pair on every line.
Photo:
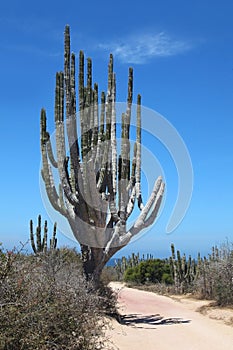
[157,322]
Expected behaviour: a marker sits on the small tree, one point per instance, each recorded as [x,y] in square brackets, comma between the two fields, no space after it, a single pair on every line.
[98,188]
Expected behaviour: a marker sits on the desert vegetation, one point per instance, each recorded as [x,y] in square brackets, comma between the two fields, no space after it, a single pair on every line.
[46,302]
[208,277]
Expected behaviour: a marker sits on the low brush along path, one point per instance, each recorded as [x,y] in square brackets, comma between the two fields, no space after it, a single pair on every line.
[155,322]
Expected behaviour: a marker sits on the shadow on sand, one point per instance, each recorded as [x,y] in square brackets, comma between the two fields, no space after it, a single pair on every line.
[140,321]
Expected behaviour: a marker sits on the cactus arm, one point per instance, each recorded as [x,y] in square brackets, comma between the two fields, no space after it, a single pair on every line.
[158,188]
[149,212]
[87,191]
[119,181]
[131,187]
[44,242]
[46,168]
[50,153]
[85,95]
[133,170]
[32,237]
[128,120]
[85,100]
[112,198]
[125,152]
[156,199]
[81,100]
[89,117]
[138,158]
[95,196]
[131,202]
[113,136]
[60,139]
[102,181]
[94,193]
[82,204]
[69,79]
[50,187]
[123,169]
[112,171]
[101,136]
[62,205]
[109,99]
[92,196]
[53,240]
[94,140]
[127,195]
[71,124]
[38,235]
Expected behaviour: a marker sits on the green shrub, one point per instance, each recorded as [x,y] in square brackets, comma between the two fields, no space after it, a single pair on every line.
[152,271]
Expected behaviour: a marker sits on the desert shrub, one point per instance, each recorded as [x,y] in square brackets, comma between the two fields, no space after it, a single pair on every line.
[46,303]
[108,275]
[150,271]
[215,278]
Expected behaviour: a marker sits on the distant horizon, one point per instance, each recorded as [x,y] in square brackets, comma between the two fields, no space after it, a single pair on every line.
[163,252]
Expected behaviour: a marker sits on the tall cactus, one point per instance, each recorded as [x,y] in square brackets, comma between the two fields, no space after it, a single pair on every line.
[41,246]
[184,271]
[98,187]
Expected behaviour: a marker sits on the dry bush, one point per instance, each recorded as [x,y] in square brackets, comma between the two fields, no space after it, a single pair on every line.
[109,274]
[45,304]
[215,280]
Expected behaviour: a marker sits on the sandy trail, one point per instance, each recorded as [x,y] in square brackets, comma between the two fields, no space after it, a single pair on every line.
[157,322]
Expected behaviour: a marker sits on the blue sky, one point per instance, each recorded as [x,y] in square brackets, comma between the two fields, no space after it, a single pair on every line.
[182,55]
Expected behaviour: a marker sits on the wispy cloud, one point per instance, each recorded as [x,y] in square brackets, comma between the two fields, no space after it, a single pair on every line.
[142,48]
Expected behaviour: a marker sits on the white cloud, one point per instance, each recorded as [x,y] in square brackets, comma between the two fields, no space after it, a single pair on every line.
[140,49]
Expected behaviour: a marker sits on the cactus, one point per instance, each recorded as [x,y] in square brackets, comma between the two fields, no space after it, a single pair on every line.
[173,265]
[41,243]
[121,265]
[184,272]
[53,240]
[94,178]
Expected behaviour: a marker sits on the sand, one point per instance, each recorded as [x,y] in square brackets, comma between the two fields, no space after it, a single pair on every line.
[153,321]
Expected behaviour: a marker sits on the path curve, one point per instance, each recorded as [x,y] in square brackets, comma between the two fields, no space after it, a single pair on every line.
[153,322]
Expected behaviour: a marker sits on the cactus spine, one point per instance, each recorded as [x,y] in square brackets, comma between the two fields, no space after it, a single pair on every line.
[40,246]
[94,179]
